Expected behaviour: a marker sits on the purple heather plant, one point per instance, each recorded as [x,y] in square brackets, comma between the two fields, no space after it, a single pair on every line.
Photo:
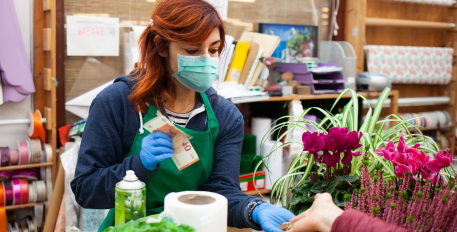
[412,200]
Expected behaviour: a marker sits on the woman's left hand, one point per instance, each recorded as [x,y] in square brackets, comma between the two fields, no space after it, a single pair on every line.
[271,217]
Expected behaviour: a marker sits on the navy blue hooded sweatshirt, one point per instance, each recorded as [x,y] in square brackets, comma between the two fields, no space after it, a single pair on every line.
[108,136]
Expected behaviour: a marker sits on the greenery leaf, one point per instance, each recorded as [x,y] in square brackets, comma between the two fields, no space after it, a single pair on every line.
[331,187]
[349,179]
[318,187]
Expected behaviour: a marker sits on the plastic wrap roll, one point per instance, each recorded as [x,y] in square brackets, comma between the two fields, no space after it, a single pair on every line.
[204,211]
[273,163]
[259,127]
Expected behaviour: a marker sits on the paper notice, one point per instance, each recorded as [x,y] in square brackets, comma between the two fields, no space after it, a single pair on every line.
[92,36]
[185,154]
[221,7]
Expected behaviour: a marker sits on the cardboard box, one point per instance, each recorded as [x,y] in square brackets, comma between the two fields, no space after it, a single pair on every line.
[248,183]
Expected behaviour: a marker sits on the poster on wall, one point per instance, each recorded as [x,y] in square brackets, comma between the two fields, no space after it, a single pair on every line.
[92,36]
[298,42]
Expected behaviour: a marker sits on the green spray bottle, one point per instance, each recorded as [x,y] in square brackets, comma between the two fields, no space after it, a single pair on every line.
[130,199]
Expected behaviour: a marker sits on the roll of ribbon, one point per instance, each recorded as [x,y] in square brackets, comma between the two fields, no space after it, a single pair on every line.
[9,195]
[16,192]
[49,156]
[14,157]
[36,129]
[36,151]
[16,227]
[2,195]
[32,192]
[5,156]
[5,175]
[23,153]
[29,174]
[24,191]
[39,210]
[31,224]
[41,191]
[3,221]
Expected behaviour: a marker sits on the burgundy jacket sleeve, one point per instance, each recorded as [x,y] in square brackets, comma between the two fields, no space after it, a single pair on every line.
[355,221]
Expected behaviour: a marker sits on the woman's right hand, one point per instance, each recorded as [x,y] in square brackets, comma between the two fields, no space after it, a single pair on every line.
[319,217]
[155,148]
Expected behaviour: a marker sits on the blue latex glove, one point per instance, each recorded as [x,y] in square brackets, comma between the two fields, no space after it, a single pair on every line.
[155,148]
[271,217]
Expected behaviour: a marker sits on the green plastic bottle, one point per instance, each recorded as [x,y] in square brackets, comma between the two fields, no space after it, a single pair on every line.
[130,199]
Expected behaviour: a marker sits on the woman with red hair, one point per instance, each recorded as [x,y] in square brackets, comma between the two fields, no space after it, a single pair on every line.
[179,62]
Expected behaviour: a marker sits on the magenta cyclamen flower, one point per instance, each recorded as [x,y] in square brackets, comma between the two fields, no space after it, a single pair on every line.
[441,160]
[313,142]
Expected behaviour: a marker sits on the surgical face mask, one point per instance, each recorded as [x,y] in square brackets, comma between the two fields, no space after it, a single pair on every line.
[197,72]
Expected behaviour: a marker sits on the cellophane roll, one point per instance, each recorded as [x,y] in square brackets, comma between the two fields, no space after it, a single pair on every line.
[204,211]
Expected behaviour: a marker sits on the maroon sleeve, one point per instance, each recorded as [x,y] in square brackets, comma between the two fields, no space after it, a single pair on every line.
[354,221]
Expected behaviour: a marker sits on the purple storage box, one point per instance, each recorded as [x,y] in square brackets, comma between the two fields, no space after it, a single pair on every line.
[300,71]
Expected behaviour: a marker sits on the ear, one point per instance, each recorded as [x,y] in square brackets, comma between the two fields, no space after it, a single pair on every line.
[163,53]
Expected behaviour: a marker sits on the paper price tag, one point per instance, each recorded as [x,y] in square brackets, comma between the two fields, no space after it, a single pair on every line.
[185,154]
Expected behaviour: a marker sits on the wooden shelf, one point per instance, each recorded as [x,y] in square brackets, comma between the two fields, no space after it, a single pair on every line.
[407,23]
[21,206]
[255,193]
[25,166]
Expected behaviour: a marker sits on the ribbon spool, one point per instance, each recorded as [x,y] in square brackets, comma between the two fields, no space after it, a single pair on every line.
[3,221]
[29,174]
[5,175]
[9,194]
[35,153]
[40,190]
[30,221]
[36,129]
[5,156]
[32,192]
[16,192]
[23,152]
[24,191]
[14,157]
[2,195]
[38,211]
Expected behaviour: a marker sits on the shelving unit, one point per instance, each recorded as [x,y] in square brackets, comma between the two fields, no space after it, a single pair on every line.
[8,168]
[380,22]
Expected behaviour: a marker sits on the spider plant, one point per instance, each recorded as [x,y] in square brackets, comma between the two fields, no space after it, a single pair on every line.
[375,136]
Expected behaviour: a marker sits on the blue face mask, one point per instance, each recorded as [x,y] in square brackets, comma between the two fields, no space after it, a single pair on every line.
[197,73]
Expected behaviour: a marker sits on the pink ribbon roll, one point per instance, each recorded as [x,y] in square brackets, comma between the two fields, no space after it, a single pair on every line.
[9,196]
[5,156]
[16,192]
[14,157]
[23,153]
[29,174]
[5,175]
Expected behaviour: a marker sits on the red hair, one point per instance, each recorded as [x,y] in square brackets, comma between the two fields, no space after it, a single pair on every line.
[181,21]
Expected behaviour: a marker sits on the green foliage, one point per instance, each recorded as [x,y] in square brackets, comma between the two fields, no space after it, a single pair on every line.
[376,135]
[141,225]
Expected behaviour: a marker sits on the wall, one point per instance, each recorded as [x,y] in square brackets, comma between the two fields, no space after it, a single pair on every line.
[242,15]
[10,134]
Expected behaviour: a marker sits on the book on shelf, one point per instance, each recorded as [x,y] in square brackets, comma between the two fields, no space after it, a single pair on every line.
[249,62]
[224,57]
[267,42]
[253,68]
[227,62]
[239,58]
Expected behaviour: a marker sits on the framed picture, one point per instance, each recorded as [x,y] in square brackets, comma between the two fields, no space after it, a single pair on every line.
[297,41]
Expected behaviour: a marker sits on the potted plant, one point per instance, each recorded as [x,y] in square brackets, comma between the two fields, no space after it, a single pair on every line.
[339,153]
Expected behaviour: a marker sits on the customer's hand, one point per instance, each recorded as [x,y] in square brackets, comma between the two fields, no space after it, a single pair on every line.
[319,217]
[155,148]
[271,217]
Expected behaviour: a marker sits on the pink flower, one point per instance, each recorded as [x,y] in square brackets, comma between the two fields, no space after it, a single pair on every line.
[331,159]
[313,142]
[348,156]
[426,173]
[401,169]
[385,153]
[441,160]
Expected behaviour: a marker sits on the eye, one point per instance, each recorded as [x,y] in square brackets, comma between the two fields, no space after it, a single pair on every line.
[213,51]
[191,51]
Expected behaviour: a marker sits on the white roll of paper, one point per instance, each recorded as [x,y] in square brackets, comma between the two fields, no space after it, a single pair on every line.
[274,162]
[204,211]
[259,127]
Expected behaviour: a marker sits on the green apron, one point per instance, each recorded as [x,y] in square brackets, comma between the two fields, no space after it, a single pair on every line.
[167,178]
